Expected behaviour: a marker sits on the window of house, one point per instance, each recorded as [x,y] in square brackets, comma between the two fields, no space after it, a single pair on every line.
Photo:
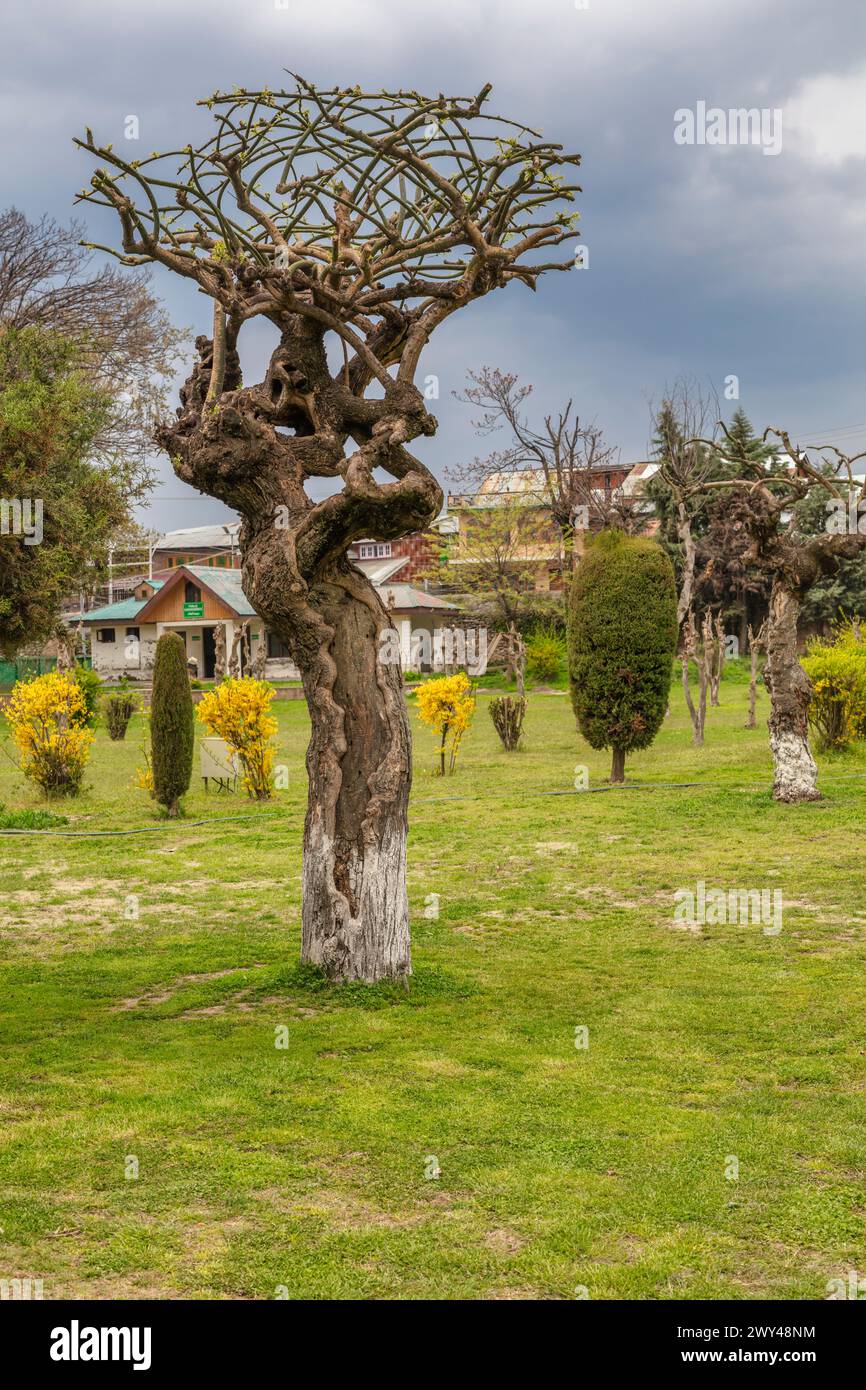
[277,647]
[607,482]
[380,551]
[105,634]
[132,632]
[192,593]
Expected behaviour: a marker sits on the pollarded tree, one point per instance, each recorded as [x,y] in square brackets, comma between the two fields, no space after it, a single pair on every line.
[362,221]
[764,504]
[622,638]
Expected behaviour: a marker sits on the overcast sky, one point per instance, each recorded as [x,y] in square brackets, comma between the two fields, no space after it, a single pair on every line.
[713,260]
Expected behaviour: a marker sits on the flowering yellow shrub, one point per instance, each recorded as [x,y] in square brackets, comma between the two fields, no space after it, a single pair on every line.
[447,705]
[837,670]
[239,712]
[47,717]
[143,776]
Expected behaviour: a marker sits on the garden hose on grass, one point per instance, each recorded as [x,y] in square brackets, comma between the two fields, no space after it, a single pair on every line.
[422,801]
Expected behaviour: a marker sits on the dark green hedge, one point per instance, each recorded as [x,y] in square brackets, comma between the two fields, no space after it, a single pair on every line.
[622,639]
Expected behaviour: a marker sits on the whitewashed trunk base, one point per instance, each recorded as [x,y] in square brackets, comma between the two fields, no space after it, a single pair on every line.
[795,770]
[372,944]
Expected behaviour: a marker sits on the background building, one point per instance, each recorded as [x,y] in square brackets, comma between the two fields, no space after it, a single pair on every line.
[195,600]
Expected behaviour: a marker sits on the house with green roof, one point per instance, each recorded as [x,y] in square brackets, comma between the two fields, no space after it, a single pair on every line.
[196,601]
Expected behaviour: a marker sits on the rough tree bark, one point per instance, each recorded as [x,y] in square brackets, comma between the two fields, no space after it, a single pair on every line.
[617,766]
[757,643]
[795,564]
[795,770]
[355,907]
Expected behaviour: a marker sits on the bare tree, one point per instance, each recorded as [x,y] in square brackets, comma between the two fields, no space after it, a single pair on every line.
[564,456]
[126,340]
[362,220]
[763,503]
[685,463]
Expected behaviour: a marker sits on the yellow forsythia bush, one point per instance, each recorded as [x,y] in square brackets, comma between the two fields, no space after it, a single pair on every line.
[837,670]
[447,705]
[47,717]
[143,776]
[239,712]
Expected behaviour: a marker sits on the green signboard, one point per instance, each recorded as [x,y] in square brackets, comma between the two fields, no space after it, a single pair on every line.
[193,610]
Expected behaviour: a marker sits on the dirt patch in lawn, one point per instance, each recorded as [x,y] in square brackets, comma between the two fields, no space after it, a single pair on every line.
[503,1242]
[342,1210]
[159,996]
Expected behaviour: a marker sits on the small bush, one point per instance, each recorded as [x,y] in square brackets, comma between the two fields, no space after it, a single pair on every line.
[172,735]
[91,688]
[239,711]
[47,715]
[546,654]
[837,670]
[507,714]
[119,708]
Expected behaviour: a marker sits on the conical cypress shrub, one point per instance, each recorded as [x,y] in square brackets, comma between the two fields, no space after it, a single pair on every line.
[171,723]
[622,637]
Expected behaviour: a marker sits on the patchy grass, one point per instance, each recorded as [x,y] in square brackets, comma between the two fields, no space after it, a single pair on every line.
[29,819]
[147,978]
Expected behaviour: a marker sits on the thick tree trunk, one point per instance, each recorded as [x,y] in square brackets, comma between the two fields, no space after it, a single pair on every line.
[256,451]
[617,767]
[795,774]
[355,913]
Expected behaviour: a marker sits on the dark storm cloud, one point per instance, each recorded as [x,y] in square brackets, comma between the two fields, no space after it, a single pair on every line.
[708,260]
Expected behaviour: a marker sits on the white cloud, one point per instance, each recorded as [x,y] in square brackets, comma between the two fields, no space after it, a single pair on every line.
[826,117]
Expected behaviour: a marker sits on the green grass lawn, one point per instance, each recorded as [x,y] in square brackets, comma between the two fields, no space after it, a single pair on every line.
[306,1168]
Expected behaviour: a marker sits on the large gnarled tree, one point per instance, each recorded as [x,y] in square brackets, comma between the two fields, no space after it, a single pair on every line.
[362,221]
[763,504]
